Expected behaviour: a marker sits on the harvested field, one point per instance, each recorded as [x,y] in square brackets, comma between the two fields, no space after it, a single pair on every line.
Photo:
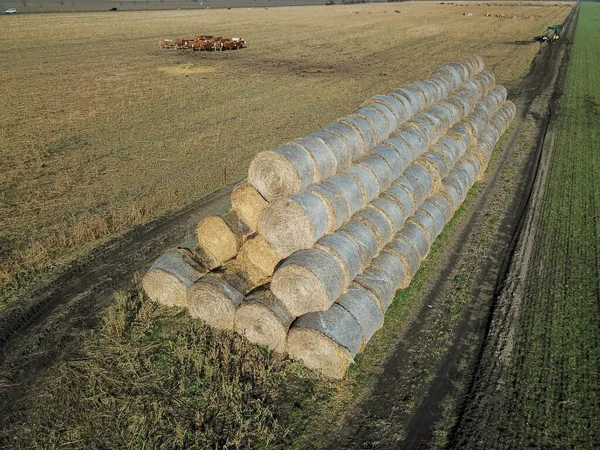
[102,135]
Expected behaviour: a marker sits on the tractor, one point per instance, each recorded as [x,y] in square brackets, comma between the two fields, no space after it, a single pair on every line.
[552,33]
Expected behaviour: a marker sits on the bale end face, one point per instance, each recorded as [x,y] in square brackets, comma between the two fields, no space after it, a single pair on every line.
[247,202]
[318,352]
[165,288]
[214,302]
[261,326]
[273,175]
[217,239]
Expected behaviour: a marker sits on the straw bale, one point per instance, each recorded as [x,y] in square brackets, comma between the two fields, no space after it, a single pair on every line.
[445,83]
[392,265]
[407,106]
[264,320]
[422,172]
[452,194]
[338,208]
[470,159]
[364,127]
[402,196]
[488,138]
[441,162]
[432,125]
[214,299]
[462,104]
[420,94]
[377,120]
[367,181]
[436,214]
[364,237]
[465,132]
[247,202]
[450,74]
[417,191]
[339,147]
[414,138]
[346,251]
[446,113]
[325,162]
[379,284]
[381,169]
[258,252]
[444,204]
[429,92]
[468,166]
[417,237]
[426,222]
[458,183]
[170,276]
[413,99]
[326,342]
[222,236]
[402,148]
[365,309]
[378,222]
[402,247]
[393,158]
[294,222]
[392,211]
[284,171]
[309,280]
[397,107]
[248,275]
[461,173]
[390,118]
[485,148]
[350,134]
[352,189]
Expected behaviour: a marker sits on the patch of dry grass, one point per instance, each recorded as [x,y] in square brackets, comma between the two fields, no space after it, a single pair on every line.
[96,137]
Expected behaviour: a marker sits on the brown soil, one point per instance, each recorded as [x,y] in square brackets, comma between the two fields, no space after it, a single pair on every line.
[446,361]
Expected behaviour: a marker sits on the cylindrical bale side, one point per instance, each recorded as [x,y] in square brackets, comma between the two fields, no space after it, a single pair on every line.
[428,92]
[415,138]
[445,114]
[326,164]
[350,135]
[381,169]
[436,214]
[338,146]
[378,222]
[346,251]
[294,222]
[365,309]
[392,265]
[264,320]
[363,236]
[455,144]
[487,138]
[426,222]
[432,124]
[221,236]
[390,117]
[284,171]
[367,180]
[420,94]
[447,154]
[401,148]
[326,342]
[247,202]
[352,189]
[378,122]
[364,127]
[309,280]
[438,88]
[415,101]
[417,191]
[378,283]
[422,174]
[214,300]
[402,197]
[393,158]
[462,104]
[449,73]
[402,247]
[469,168]
[408,107]
[392,211]
[458,183]
[452,193]
[461,173]
[465,133]
[394,105]
[441,163]
[259,253]
[444,205]
[482,160]
[475,164]
[169,278]
[417,237]
[335,200]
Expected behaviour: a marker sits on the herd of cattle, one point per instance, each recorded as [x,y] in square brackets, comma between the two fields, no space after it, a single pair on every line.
[205,43]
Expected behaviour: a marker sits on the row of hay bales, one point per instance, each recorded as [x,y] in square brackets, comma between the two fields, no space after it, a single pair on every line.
[327,227]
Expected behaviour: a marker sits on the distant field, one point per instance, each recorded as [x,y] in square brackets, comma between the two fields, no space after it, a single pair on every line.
[102,130]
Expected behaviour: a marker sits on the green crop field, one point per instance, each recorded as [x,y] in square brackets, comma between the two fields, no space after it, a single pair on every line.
[554,384]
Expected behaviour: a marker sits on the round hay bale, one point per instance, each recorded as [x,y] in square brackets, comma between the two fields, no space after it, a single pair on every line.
[465,133]
[259,253]
[441,163]
[392,211]
[309,280]
[458,184]
[462,104]
[452,193]
[294,223]
[444,113]
[365,309]
[364,237]
[247,202]
[377,120]
[214,300]
[482,160]
[169,278]
[352,189]
[414,138]
[429,92]
[445,206]
[472,161]
[325,162]
[407,107]
[427,122]
[338,208]
[364,127]
[389,116]
[350,135]
[417,191]
[378,166]
[420,94]
[392,265]
[402,148]
[221,236]
[423,172]
[485,148]
[468,166]
[393,158]
[326,342]
[367,181]
[402,197]
[247,275]
[346,251]
[455,144]
[461,173]
[416,236]
[436,214]
[408,254]
[445,83]
[397,108]
[414,100]
[264,320]
[450,74]
[338,146]
[426,222]
[377,283]
[378,222]
[447,154]
[284,171]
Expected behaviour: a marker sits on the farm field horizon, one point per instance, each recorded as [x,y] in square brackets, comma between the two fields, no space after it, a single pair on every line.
[114,131]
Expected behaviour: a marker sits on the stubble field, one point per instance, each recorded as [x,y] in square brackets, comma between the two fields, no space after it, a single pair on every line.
[102,130]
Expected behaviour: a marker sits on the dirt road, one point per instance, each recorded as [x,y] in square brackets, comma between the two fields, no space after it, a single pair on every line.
[41,323]
[436,375]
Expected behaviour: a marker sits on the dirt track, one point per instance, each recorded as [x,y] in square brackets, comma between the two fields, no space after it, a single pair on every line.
[440,370]
[42,322]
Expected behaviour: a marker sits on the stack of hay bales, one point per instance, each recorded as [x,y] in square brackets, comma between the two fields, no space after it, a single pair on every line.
[327,228]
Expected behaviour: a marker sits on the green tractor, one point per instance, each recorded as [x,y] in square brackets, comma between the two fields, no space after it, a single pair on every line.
[552,33]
